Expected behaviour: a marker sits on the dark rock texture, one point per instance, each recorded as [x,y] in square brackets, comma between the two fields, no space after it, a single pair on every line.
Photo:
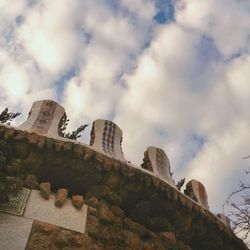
[127,208]
[46,236]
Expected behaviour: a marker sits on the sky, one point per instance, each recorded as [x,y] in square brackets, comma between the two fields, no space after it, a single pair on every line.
[171,73]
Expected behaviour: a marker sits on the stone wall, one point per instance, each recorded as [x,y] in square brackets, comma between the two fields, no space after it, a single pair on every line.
[127,207]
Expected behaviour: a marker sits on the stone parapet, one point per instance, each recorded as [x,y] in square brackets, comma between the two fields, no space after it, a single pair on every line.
[127,206]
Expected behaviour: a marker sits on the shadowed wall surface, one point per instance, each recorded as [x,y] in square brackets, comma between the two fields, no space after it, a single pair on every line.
[128,207]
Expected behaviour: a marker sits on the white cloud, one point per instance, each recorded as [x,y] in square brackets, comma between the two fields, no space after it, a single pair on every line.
[15,80]
[114,43]
[49,36]
[220,160]
[144,9]
[172,95]
[226,21]
[161,84]
[238,75]
[10,10]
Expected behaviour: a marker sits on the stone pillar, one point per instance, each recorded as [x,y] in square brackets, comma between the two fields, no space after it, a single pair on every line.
[224,219]
[106,137]
[196,191]
[156,160]
[44,118]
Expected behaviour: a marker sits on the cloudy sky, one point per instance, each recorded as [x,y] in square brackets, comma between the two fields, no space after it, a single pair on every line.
[173,74]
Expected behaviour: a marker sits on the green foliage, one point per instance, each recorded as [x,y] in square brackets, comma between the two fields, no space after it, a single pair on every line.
[7,116]
[63,125]
[74,135]
[180,183]
[8,184]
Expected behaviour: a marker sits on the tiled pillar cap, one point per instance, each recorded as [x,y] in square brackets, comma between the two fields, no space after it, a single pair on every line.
[44,118]
[156,160]
[106,137]
[197,191]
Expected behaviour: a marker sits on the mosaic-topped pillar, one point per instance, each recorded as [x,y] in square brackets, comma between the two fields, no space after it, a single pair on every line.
[106,137]
[44,118]
[156,160]
[196,191]
[224,219]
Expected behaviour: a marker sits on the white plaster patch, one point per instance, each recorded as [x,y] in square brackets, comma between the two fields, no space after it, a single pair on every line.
[44,210]
[14,232]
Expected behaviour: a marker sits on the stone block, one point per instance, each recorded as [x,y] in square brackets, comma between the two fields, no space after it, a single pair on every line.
[31,181]
[44,210]
[14,232]
[45,190]
[224,219]
[47,236]
[61,197]
[16,204]
[105,213]
[77,201]
[169,237]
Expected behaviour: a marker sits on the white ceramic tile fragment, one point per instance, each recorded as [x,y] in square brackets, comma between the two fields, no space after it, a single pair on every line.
[106,137]
[14,232]
[160,164]
[44,118]
[44,210]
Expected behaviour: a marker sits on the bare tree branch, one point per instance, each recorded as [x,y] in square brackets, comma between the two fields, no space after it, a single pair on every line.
[238,203]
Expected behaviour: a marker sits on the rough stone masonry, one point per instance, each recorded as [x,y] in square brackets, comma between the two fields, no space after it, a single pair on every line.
[76,197]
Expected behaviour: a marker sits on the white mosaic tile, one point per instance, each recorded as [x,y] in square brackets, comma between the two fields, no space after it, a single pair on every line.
[160,164]
[44,210]
[44,118]
[17,203]
[14,232]
[106,137]
[199,192]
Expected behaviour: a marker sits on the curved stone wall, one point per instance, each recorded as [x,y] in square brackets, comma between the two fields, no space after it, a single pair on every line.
[129,207]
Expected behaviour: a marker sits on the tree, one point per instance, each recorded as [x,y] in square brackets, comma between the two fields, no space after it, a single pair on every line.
[238,204]
[7,117]
[180,184]
[74,135]
[8,184]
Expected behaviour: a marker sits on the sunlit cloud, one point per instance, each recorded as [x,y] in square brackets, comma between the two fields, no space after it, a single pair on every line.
[174,74]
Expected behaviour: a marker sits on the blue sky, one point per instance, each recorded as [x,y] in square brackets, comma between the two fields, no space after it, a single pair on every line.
[173,74]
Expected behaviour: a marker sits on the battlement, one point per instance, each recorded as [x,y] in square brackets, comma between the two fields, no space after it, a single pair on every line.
[139,204]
